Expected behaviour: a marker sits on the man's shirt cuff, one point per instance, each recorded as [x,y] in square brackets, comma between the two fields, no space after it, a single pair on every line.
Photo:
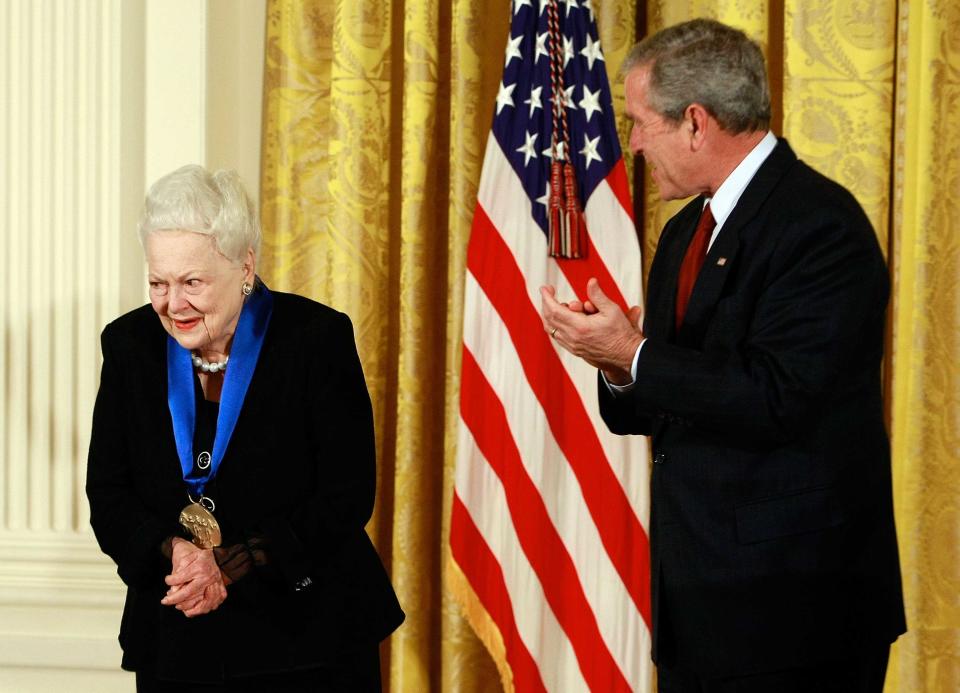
[622,389]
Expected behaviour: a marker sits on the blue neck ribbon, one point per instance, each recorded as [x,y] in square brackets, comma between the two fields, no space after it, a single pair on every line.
[247,341]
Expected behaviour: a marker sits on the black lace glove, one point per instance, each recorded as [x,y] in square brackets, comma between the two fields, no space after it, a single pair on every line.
[238,560]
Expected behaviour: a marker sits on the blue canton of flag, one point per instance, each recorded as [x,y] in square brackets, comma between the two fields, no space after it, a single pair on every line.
[523,122]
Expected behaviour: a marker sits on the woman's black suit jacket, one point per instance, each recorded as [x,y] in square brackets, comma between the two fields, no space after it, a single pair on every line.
[300,471]
[771,528]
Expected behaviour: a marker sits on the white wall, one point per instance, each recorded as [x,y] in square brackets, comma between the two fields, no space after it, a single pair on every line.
[100,97]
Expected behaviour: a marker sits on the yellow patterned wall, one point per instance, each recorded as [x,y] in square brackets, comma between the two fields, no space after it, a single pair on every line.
[376,115]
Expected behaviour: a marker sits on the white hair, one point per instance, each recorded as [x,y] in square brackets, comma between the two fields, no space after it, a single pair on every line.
[215,204]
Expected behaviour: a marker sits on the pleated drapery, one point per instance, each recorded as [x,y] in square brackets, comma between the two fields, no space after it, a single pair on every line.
[376,114]
[924,393]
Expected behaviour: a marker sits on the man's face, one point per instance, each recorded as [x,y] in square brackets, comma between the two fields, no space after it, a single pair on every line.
[664,145]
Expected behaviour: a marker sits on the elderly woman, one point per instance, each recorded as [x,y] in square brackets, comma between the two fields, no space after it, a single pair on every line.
[232,466]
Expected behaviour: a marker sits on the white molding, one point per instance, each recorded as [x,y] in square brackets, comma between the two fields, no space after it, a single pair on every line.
[35,680]
[55,569]
[43,651]
[60,604]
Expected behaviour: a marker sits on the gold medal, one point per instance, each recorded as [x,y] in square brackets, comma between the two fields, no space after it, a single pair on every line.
[201,524]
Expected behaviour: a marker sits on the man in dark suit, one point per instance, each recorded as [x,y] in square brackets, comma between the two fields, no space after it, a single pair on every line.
[757,374]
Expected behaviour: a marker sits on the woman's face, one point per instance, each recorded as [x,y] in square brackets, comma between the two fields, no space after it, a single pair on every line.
[194,289]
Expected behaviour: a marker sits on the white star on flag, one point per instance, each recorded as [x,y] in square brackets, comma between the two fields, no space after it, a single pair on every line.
[517,4]
[590,102]
[513,49]
[588,4]
[568,101]
[571,3]
[534,100]
[592,51]
[548,152]
[527,149]
[542,46]
[590,150]
[568,52]
[545,198]
[504,96]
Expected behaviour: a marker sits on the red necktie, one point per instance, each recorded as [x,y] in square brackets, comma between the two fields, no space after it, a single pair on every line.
[693,261]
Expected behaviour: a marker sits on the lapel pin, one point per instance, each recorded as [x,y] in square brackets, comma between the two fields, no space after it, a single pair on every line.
[721,262]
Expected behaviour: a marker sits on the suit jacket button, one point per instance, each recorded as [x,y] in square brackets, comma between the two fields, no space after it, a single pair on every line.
[659,458]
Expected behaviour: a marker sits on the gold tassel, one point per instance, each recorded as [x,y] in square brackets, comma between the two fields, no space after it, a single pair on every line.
[557,220]
[576,223]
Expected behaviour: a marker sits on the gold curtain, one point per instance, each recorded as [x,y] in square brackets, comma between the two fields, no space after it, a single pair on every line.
[925,341]
[376,116]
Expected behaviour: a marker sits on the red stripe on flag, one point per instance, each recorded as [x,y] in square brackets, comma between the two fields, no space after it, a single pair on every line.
[480,566]
[484,415]
[495,269]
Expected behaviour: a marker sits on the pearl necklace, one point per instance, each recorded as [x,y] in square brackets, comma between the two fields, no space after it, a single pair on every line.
[206,366]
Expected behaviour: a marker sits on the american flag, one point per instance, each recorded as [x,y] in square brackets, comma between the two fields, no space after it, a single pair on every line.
[548,525]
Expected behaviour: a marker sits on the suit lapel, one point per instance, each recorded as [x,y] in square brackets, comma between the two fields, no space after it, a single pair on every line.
[709,285]
[723,254]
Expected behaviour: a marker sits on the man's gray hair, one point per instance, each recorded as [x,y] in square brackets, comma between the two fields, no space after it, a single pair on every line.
[703,61]
[215,204]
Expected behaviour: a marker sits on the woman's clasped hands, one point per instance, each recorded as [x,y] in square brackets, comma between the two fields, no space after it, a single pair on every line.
[196,584]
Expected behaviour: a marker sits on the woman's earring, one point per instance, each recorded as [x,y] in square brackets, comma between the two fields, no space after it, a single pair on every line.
[246,288]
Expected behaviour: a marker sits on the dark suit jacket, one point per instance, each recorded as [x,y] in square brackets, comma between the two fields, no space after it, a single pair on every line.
[772,534]
[300,470]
